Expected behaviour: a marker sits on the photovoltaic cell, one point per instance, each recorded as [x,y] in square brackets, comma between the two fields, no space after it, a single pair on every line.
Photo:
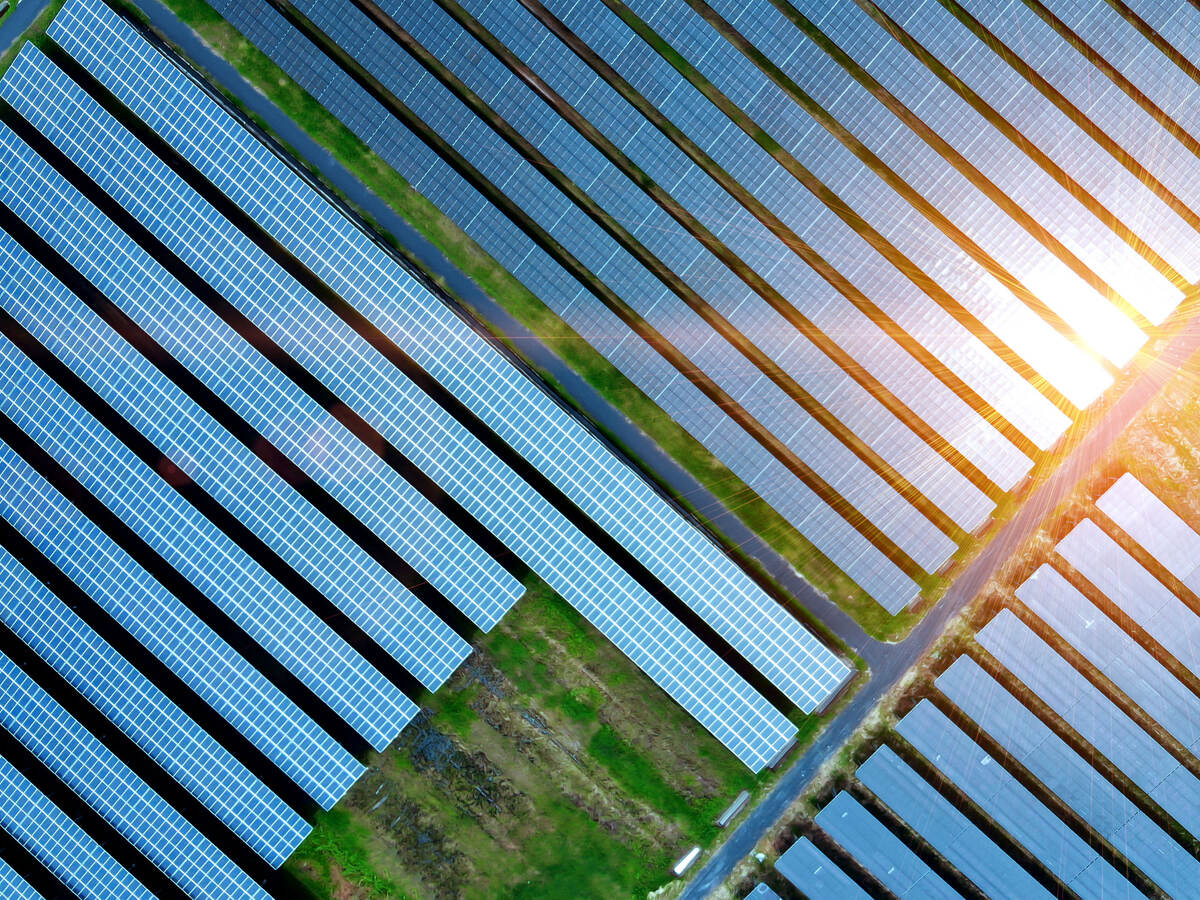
[1154,525]
[122,799]
[320,445]
[762,892]
[158,514]
[765,474]
[880,852]
[159,621]
[817,875]
[1012,806]
[152,721]
[1094,717]
[946,829]
[491,386]
[59,844]
[153,299]
[1064,772]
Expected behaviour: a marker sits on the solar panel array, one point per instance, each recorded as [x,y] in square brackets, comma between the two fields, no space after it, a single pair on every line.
[179,472]
[874,277]
[1061,755]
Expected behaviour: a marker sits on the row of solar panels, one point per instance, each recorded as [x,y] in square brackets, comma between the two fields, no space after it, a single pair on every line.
[189,497]
[1119,712]
[983,252]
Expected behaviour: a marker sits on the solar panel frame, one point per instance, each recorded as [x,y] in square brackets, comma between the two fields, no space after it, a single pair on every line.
[118,795]
[61,845]
[474,352]
[143,713]
[96,459]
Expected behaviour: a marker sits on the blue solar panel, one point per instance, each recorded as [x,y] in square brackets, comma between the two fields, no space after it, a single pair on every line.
[1171,541]
[762,892]
[1094,717]
[816,874]
[919,165]
[1012,806]
[126,802]
[507,401]
[669,315]
[320,445]
[157,619]
[750,461]
[1137,133]
[880,852]
[14,886]
[1064,772]
[59,844]
[946,829]
[1147,682]
[1096,320]
[1120,45]
[1136,592]
[128,699]
[144,290]
[208,453]
[854,405]
[156,512]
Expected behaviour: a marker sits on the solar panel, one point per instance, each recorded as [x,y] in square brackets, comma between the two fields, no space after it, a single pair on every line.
[759,174]
[1064,772]
[817,875]
[320,445]
[1136,592]
[1154,525]
[1095,319]
[1147,682]
[1063,364]
[208,453]
[130,701]
[762,892]
[1094,717]
[122,799]
[176,530]
[1121,46]
[946,829]
[833,535]
[462,360]
[159,621]
[880,852]
[1138,134]
[1012,806]
[855,406]
[59,844]
[144,290]
[832,461]
[15,887]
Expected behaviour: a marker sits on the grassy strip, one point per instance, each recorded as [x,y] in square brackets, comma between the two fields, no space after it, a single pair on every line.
[517,300]
[337,840]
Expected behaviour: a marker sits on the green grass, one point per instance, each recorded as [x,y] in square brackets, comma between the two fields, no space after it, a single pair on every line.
[338,840]
[519,302]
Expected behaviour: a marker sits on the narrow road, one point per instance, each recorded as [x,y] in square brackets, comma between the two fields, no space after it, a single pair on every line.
[887,661]
[18,20]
